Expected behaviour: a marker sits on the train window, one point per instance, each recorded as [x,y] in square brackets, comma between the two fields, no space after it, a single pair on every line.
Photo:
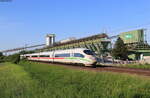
[63,55]
[44,55]
[34,56]
[78,55]
[88,52]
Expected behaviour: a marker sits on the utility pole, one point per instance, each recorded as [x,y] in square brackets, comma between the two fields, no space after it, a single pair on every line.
[25,47]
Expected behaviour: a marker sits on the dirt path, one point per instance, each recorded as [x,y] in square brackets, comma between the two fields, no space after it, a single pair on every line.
[144,72]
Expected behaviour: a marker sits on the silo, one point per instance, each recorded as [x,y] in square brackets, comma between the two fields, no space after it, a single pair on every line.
[50,39]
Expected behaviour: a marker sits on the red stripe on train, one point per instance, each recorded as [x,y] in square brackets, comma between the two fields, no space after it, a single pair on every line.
[45,58]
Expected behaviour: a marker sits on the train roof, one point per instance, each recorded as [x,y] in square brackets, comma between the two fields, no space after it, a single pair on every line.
[43,53]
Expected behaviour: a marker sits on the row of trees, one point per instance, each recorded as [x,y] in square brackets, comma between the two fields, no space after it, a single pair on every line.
[11,58]
[14,58]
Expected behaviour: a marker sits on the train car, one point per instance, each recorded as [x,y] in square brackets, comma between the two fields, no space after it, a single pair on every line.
[69,56]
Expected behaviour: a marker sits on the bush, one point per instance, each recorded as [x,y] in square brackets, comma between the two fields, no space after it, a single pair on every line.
[1,57]
[15,58]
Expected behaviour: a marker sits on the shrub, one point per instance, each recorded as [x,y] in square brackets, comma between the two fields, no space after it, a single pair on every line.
[15,58]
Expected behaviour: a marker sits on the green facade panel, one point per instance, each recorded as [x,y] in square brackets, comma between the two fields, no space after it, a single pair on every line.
[132,36]
[146,54]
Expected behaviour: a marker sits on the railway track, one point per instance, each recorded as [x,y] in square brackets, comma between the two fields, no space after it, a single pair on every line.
[143,72]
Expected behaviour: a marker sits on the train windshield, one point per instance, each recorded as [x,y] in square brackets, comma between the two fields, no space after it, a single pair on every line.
[89,52]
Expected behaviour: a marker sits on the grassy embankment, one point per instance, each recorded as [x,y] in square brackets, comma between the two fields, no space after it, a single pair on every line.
[15,82]
[34,80]
[140,66]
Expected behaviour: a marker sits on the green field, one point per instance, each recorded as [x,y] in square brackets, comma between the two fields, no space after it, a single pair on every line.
[140,66]
[34,80]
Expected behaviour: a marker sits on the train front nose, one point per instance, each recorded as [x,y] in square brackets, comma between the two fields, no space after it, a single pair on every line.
[94,59]
[94,62]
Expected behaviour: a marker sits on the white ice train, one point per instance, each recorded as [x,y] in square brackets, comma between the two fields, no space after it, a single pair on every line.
[70,56]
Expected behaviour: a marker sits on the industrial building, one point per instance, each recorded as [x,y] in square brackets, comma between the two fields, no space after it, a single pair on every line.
[99,43]
[137,45]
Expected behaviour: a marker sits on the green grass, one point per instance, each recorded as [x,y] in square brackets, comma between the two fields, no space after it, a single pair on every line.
[135,65]
[34,80]
[140,66]
[15,82]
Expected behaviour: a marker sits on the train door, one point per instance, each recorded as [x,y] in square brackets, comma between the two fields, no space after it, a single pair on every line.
[75,57]
[66,56]
[53,56]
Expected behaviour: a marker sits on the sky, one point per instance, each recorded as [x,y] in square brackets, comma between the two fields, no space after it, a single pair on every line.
[28,21]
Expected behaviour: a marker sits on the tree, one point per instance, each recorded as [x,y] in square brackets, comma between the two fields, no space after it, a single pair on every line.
[1,54]
[1,57]
[27,52]
[120,50]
